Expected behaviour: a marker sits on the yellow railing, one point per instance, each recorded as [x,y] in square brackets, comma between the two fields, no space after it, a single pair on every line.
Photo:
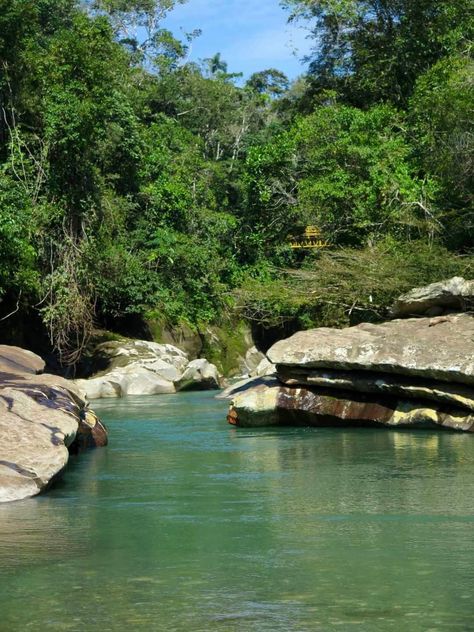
[311,238]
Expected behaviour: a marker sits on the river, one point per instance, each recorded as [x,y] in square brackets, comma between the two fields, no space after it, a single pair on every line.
[186,524]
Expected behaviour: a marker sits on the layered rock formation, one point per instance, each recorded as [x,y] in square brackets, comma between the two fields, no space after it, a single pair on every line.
[406,372]
[42,418]
[139,367]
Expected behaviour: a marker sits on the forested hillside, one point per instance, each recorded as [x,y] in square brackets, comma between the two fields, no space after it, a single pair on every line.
[136,184]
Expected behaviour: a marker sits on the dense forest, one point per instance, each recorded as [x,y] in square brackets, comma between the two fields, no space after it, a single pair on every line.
[136,184]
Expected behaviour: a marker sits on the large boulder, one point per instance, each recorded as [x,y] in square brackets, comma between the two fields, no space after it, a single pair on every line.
[118,354]
[436,348]
[454,294]
[457,395]
[133,379]
[264,368]
[416,372]
[181,336]
[199,375]
[253,359]
[134,367]
[269,403]
[42,418]
[139,367]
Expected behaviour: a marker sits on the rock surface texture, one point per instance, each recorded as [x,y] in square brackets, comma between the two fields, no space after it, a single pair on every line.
[439,348]
[454,294]
[404,373]
[139,367]
[199,375]
[42,418]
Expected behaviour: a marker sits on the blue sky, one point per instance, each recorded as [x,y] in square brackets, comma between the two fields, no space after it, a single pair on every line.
[251,35]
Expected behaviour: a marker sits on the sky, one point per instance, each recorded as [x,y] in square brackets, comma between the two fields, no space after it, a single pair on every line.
[251,35]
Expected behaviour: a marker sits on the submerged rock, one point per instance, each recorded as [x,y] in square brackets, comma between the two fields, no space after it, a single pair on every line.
[41,418]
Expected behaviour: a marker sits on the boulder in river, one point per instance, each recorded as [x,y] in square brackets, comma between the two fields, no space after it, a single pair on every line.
[404,373]
[41,418]
[270,403]
[436,348]
[17,360]
[139,367]
[118,354]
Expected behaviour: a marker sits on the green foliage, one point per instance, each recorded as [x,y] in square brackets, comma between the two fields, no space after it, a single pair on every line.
[190,279]
[374,50]
[134,182]
[441,113]
[18,272]
[272,82]
[347,286]
[356,179]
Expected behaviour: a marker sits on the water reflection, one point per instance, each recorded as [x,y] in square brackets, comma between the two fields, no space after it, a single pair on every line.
[184,523]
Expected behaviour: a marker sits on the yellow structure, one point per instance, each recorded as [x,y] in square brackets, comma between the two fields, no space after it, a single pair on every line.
[311,238]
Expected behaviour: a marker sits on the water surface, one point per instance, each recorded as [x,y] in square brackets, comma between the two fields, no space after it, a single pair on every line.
[184,523]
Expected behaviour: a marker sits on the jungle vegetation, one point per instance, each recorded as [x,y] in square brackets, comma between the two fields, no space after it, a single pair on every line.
[137,184]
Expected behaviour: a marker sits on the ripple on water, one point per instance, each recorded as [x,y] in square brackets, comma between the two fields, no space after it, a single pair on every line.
[186,524]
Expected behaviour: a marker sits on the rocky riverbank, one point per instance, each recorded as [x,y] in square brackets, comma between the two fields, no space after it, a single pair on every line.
[140,367]
[402,373]
[43,418]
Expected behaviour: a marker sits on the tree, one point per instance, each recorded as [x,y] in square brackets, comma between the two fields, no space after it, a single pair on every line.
[441,115]
[374,50]
[216,65]
[272,82]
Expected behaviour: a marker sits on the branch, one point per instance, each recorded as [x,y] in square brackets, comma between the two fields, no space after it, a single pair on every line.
[17,309]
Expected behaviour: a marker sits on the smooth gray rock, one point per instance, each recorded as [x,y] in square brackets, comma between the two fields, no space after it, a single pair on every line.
[129,380]
[455,294]
[199,375]
[135,367]
[241,386]
[264,368]
[17,360]
[40,419]
[185,338]
[436,348]
[253,358]
[119,354]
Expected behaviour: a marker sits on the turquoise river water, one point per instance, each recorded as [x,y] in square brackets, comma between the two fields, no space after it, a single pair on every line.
[186,524]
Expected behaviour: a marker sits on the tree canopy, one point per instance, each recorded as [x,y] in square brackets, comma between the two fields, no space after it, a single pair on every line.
[134,182]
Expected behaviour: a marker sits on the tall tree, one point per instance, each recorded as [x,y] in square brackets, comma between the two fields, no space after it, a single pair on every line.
[372,50]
